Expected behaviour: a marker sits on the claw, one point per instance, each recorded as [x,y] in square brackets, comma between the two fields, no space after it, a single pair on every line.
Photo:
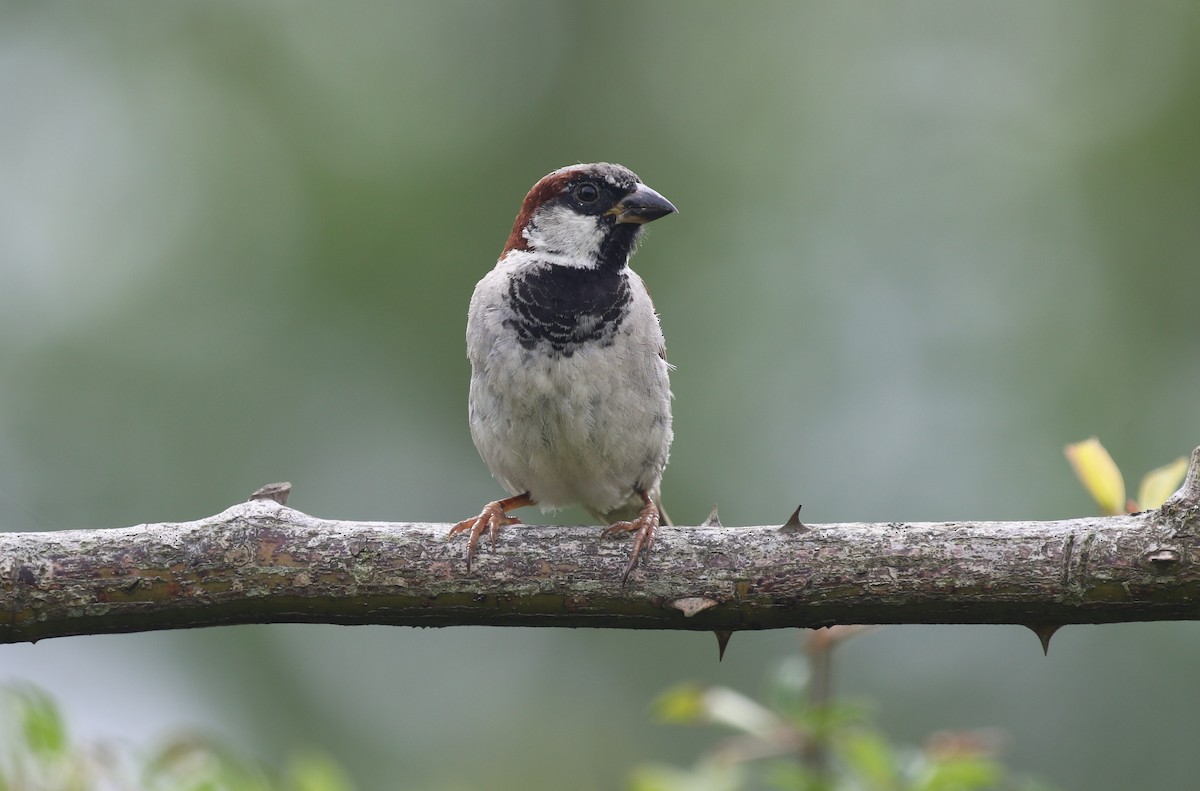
[493,516]
[643,527]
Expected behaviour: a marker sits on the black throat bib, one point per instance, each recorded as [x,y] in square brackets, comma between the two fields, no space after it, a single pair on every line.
[566,307]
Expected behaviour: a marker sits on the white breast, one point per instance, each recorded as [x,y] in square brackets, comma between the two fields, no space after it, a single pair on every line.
[589,428]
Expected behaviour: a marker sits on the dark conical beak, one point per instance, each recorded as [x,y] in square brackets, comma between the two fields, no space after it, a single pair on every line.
[642,206]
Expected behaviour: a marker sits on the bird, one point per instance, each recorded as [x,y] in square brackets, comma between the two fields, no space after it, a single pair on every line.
[570,398]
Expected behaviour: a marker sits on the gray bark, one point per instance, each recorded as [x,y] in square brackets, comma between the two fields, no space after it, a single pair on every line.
[262,562]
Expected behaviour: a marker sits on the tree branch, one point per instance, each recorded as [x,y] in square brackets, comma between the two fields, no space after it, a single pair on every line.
[262,562]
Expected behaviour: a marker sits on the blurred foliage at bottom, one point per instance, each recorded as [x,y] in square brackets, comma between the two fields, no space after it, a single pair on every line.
[37,755]
[802,739]
[798,739]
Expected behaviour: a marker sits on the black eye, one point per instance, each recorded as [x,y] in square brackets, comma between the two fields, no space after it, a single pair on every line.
[587,192]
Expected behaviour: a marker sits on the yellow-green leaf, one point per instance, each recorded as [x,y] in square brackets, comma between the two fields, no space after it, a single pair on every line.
[869,757]
[41,724]
[313,771]
[1161,483]
[1098,474]
[683,704]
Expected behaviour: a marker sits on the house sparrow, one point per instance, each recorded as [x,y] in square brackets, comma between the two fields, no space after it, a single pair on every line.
[570,401]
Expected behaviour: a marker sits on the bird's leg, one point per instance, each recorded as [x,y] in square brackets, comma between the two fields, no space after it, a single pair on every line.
[493,516]
[643,526]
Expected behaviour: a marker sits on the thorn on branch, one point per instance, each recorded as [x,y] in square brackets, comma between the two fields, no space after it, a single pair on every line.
[713,519]
[722,643]
[793,524]
[1044,632]
[274,491]
[1189,493]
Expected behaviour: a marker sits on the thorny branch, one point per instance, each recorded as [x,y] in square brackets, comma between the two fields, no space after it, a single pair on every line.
[262,562]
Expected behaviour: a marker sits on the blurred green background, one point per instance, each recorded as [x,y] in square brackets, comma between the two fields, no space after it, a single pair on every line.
[920,247]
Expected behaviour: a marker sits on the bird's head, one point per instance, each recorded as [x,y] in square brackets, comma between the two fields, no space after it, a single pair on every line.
[586,216]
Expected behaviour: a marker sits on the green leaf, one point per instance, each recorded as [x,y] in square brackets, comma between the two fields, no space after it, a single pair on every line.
[791,776]
[679,705]
[869,756]
[316,772]
[40,724]
[707,776]
[1098,474]
[974,773]
[1161,483]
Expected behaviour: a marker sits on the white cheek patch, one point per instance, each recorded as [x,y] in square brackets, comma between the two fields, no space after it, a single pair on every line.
[573,239]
